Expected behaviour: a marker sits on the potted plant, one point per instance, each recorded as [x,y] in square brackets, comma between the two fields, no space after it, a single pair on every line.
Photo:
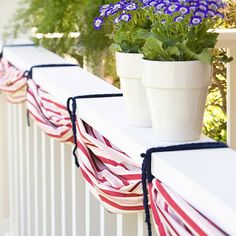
[177,65]
[130,20]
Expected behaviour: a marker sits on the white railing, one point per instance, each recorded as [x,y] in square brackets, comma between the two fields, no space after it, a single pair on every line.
[48,196]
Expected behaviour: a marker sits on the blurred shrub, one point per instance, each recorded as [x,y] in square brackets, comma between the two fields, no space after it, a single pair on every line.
[215,121]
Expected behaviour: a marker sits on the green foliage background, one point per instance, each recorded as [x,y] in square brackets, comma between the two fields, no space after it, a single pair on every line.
[65,16]
[215,121]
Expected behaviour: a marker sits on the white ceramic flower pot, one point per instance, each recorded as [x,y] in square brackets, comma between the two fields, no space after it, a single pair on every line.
[176,94]
[128,66]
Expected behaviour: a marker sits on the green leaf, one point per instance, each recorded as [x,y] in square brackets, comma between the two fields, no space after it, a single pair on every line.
[173,52]
[119,36]
[144,34]
[205,56]
[115,47]
[153,50]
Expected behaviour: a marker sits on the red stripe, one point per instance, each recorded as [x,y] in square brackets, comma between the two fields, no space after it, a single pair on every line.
[179,211]
[120,207]
[58,136]
[55,103]
[157,218]
[120,194]
[111,162]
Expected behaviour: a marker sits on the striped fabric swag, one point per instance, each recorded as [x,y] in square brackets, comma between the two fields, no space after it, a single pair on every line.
[175,217]
[113,177]
[51,116]
[12,82]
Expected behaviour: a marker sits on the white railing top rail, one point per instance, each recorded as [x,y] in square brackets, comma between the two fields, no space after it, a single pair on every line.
[205,178]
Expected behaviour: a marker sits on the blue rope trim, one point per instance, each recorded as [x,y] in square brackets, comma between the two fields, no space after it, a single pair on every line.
[29,75]
[71,102]
[15,45]
[147,176]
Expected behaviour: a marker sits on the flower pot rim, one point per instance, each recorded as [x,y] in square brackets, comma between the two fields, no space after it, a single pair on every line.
[174,62]
[130,53]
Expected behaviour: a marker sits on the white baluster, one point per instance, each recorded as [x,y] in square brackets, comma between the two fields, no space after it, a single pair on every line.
[75,198]
[55,188]
[102,221]
[21,156]
[119,225]
[140,223]
[87,210]
[66,190]
[11,165]
[46,220]
[53,194]
[15,146]
[36,181]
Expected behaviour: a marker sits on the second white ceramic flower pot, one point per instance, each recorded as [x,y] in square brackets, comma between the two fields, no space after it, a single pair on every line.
[128,66]
[176,94]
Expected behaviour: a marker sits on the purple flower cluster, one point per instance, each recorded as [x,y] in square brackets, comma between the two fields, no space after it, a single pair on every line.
[122,8]
[198,9]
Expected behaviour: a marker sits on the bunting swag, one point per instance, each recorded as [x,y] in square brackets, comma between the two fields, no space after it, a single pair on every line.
[51,116]
[113,177]
[175,217]
[12,82]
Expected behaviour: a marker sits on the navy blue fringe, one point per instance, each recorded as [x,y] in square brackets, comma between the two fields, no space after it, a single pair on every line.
[71,103]
[147,176]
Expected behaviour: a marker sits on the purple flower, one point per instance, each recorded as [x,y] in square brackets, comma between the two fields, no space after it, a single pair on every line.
[213,6]
[116,20]
[98,21]
[220,15]
[173,8]
[104,7]
[192,8]
[184,10]
[195,20]
[117,7]
[202,7]
[160,6]
[145,2]
[211,13]
[110,12]
[200,13]
[178,18]
[131,6]
[152,3]
[125,17]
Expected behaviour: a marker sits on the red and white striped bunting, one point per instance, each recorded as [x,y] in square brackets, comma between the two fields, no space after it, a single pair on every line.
[52,117]
[12,82]
[113,177]
[175,217]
